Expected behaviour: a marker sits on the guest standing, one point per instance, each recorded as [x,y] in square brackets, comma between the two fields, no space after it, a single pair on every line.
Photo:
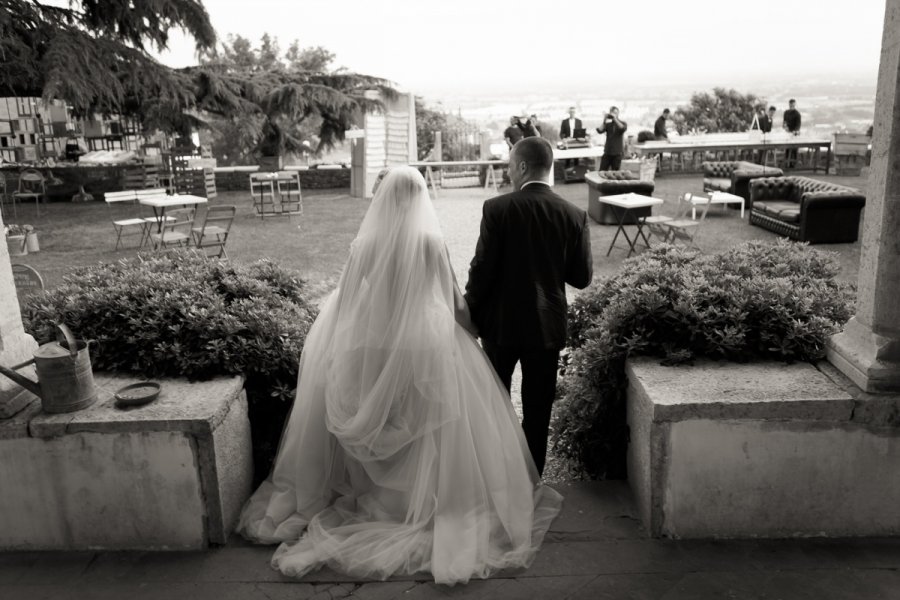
[765,126]
[513,133]
[614,147]
[529,127]
[566,131]
[659,128]
[792,125]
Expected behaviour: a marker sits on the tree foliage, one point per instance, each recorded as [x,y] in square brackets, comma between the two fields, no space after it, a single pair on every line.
[429,120]
[93,53]
[722,111]
[268,101]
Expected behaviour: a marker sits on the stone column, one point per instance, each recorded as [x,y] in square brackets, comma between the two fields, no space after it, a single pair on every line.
[15,345]
[868,350]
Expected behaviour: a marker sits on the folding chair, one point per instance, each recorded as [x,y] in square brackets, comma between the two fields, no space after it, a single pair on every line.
[655,225]
[3,197]
[262,193]
[116,203]
[682,228]
[289,192]
[31,187]
[214,229]
[176,231]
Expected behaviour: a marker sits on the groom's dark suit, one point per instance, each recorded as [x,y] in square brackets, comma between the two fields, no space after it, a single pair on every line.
[532,243]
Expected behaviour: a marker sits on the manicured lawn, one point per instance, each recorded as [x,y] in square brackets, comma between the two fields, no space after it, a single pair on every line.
[316,243]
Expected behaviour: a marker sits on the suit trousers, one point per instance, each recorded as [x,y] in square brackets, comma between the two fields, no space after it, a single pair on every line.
[539,367]
[610,162]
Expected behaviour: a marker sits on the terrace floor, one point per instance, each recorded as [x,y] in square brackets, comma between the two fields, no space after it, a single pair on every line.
[595,549]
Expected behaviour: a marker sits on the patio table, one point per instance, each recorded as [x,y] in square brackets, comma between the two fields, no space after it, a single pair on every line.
[716,198]
[160,204]
[628,202]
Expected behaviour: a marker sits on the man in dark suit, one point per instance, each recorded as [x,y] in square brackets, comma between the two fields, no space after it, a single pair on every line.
[568,126]
[766,120]
[532,244]
[567,130]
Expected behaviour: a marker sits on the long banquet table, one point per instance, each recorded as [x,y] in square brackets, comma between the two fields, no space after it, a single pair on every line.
[724,146]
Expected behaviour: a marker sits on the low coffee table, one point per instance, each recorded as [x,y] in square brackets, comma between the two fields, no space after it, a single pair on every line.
[628,202]
[716,198]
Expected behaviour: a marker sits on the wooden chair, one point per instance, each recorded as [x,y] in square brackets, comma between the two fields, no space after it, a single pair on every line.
[31,187]
[125,215]
[682,228]
[212,233]
[176,230]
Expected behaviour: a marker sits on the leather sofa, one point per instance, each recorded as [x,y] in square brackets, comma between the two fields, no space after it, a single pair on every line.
[610,183]
[805,209]
[734,176]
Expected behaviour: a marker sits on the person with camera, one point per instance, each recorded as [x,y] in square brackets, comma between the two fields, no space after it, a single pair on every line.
[529,128]
[513,133]
[614,147]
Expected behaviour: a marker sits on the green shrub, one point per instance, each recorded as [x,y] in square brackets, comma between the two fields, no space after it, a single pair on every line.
[182,315]
[758,300]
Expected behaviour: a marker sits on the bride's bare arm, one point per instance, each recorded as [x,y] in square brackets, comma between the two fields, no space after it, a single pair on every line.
[461,308]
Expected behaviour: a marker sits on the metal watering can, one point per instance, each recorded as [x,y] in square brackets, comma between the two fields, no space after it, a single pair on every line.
[65,379]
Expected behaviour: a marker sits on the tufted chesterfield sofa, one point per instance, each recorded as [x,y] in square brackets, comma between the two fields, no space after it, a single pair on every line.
[734,176]
[806,209]
[610,183]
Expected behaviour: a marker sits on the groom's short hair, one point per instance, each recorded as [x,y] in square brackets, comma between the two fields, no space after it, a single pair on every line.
[535,152]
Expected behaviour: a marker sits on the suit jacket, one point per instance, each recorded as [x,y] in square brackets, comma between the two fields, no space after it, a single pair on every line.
[565,132]
[765,124]
[615,137]
[532,243]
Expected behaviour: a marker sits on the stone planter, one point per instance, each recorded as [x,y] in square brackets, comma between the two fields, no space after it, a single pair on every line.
[17,245]
[760,450]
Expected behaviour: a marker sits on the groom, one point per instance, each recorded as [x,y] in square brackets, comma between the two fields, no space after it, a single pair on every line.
[532,243]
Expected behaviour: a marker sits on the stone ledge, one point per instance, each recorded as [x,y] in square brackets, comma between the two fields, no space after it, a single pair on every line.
[726,390]
[176,409]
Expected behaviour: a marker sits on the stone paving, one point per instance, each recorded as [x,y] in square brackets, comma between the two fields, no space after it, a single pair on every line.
[596,549]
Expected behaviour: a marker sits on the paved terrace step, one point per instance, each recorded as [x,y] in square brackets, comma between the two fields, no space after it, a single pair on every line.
[596,549]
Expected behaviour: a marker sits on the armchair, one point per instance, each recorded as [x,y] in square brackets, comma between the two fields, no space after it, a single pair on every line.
[609,183]
[734,176]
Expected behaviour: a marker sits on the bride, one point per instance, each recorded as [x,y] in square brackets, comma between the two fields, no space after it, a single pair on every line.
[402,452]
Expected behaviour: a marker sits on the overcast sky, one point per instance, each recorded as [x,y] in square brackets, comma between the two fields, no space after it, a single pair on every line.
[425,45]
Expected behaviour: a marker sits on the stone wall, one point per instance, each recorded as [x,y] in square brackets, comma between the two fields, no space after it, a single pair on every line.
[238,179]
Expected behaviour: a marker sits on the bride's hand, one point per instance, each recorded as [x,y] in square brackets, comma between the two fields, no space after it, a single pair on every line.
[465,319]
[461,312]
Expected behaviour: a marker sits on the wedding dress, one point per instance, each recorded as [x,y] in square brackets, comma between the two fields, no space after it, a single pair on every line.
[402,452]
